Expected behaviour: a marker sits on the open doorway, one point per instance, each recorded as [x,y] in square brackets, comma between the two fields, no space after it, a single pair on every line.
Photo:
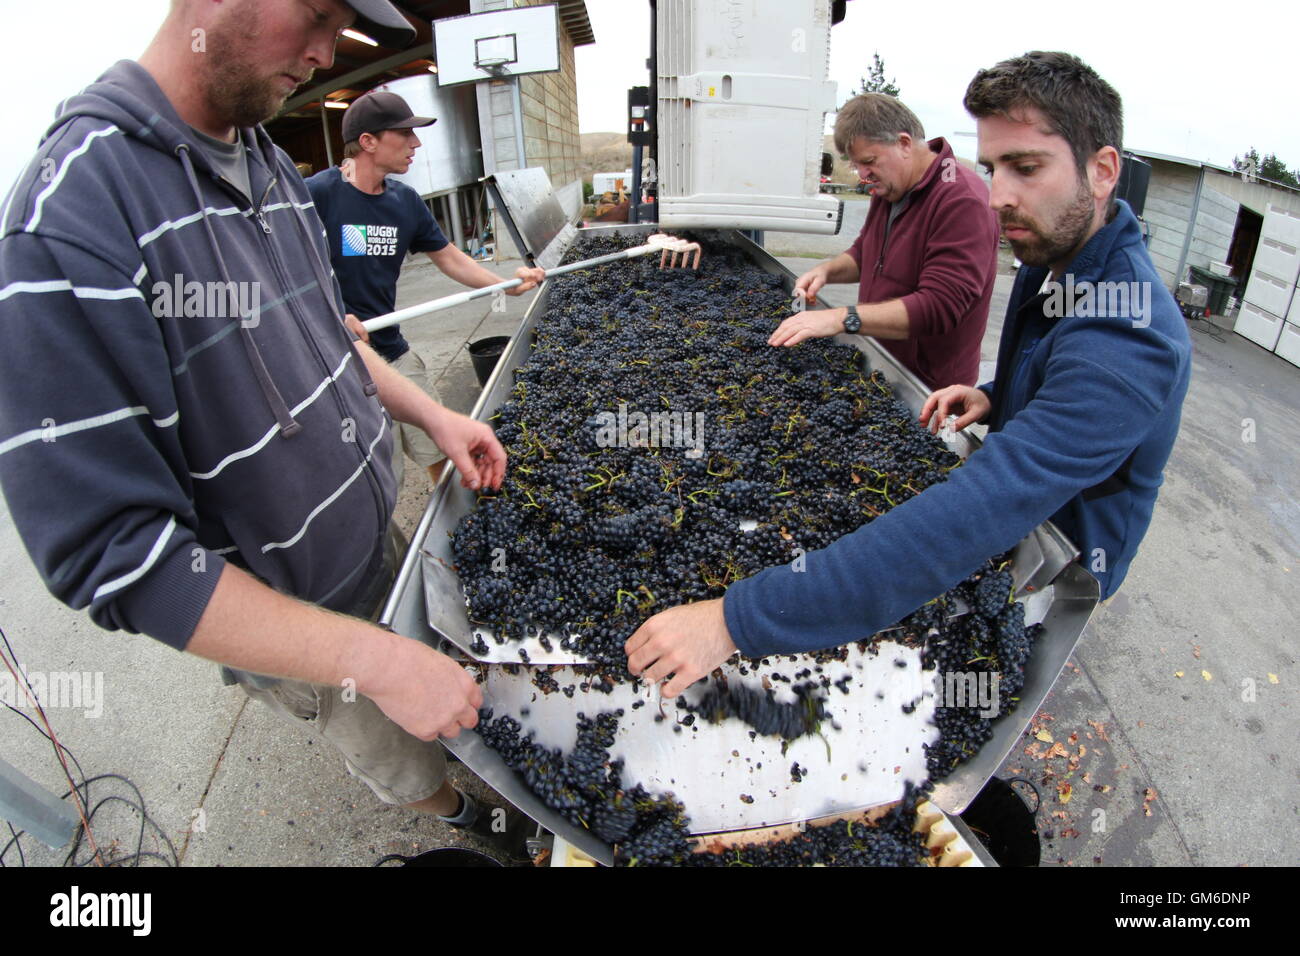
[1245,239]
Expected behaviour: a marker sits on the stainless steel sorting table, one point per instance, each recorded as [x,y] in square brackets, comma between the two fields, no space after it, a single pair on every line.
[727,781]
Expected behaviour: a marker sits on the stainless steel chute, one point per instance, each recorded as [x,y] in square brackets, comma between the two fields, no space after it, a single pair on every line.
[726,780]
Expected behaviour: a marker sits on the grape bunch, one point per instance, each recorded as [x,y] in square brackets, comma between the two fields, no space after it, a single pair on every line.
[585,787]
[661,450]
[886,842]
[991,640]
[759,708]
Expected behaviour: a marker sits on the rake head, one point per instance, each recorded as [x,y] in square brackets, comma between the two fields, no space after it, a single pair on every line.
[672,247]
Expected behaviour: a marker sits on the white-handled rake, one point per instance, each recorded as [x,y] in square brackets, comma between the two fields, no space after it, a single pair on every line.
[669,248]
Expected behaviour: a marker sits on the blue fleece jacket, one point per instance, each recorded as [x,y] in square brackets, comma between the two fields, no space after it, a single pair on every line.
[177,388]
[1086,406]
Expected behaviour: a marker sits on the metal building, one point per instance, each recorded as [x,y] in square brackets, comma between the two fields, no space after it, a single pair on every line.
[1207,220]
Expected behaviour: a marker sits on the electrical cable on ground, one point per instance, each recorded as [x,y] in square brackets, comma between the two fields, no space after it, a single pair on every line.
[81,795]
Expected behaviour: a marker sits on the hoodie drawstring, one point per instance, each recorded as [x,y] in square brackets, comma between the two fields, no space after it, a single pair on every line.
[368,383]
[288,426]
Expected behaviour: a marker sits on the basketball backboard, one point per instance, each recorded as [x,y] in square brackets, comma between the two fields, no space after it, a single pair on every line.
[485,46]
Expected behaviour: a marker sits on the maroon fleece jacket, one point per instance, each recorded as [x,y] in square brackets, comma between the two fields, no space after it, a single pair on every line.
[941,260]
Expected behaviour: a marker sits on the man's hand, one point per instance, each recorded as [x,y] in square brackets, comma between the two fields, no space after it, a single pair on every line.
[811,282]
[472,448]
[689,641]
[532,279]
[813,324]
[353,323]
[970,405]
[424,692]
[254,628]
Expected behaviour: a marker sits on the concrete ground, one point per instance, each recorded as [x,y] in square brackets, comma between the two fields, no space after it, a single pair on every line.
[1176,713]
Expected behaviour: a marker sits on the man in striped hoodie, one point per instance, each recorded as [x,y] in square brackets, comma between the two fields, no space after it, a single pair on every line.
[194,447]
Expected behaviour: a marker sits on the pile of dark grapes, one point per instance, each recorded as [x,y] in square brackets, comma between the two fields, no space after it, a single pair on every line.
[889,841]
[646,829]
[585,786]
[991,639]
[590,538]
[800,444]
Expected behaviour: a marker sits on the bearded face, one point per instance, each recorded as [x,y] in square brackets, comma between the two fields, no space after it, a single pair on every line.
[247,76]
[1055,234]
[1047,206]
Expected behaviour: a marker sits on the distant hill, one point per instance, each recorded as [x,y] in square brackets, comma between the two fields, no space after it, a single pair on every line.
[603,153]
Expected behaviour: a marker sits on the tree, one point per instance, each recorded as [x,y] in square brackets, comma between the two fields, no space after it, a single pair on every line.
[1269,168]
[874,81]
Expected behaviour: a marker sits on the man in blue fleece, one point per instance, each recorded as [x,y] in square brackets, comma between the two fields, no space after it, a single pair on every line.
[1092,370]
[193,447]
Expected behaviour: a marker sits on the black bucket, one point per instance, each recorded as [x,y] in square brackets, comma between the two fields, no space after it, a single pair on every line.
[443,856]
[484,354]
[1001,821]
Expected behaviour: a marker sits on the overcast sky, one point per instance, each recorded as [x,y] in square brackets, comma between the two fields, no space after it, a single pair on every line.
[1198,79]
[1203,80]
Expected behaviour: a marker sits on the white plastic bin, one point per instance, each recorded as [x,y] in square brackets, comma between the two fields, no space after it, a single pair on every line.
[742,100]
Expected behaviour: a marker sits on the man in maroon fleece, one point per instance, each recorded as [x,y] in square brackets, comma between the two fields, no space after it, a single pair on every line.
[926,257]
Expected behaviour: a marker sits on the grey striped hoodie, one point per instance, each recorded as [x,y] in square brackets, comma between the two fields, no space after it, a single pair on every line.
[177,388]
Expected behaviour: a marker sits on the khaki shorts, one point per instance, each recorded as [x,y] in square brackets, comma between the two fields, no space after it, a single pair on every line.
[409,439]
[397,766]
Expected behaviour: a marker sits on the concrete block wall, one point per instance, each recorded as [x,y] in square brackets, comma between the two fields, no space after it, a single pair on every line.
[1256,196]
[498,129]
[1168,211]
[1216,219]
[501,134]
[547,117]
[550,102]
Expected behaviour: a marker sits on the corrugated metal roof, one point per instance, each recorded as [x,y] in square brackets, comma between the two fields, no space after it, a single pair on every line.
[1181,160]
[1198,163]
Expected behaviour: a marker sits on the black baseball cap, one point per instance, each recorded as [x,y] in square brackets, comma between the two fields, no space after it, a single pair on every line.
[377,111]
[381,21]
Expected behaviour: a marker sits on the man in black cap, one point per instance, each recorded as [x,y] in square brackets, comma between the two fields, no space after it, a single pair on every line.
[371,222]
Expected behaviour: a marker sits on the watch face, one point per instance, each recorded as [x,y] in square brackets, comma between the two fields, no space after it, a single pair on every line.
[852,322]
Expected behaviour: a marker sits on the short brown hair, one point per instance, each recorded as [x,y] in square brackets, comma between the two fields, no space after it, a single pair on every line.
[1079,105]
[352,149]
[877,118]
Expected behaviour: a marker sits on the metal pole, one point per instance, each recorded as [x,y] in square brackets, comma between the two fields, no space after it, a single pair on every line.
[480,200]
[653,109]
[1191,228]
[453,209]
[325,126]
[29,806]
[634,208]
[519,124]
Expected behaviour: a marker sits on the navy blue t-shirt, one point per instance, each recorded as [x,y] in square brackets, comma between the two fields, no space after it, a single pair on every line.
[368,238]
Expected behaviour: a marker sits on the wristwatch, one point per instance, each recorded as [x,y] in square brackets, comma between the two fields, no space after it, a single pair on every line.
[852,322]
